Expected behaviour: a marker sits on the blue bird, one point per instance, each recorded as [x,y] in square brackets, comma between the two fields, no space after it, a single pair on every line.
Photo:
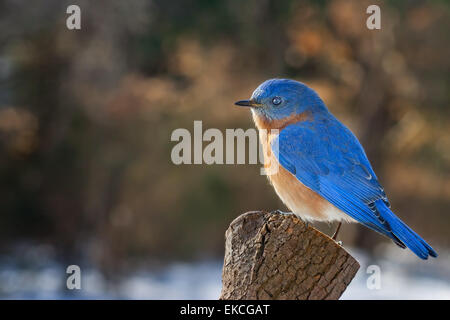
[323,172]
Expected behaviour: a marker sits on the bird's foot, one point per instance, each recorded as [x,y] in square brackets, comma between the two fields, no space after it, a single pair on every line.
[281,212]
[306,222]
[334,237]
[339,243]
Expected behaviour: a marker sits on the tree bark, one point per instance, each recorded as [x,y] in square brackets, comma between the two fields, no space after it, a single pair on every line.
[276,256]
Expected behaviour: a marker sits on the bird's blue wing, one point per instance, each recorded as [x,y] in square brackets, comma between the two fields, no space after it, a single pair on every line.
[327,158]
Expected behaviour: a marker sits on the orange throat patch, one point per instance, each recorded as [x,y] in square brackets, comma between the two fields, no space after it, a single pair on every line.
[279,124]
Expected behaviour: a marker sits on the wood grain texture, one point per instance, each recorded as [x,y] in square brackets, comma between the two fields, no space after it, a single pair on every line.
[275,256]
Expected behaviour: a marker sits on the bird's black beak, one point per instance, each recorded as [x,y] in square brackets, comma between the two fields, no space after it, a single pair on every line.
[247,103]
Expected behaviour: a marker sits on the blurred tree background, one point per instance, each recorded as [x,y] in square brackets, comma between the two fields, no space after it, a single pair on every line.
[86,116]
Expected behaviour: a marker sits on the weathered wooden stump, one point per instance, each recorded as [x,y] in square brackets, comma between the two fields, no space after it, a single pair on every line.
[275,256]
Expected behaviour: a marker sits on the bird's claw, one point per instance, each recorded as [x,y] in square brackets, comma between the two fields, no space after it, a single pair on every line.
[281,212]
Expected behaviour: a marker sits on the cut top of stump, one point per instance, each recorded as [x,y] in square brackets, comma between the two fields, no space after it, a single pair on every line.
[277,256]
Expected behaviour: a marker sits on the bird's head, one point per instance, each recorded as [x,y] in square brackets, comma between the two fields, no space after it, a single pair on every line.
[276,99]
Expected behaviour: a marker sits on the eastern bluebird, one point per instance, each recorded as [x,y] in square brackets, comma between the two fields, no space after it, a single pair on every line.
[324,173]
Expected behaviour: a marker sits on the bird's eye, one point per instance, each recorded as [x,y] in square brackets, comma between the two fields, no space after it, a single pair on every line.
[276,100]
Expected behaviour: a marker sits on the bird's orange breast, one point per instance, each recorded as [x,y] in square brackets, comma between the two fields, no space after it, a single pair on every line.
[300,199]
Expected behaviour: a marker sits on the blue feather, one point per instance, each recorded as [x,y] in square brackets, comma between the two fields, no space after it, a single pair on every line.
[405,234]
[327,158]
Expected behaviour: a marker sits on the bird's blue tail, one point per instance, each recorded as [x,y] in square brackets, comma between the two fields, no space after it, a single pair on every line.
[404,233]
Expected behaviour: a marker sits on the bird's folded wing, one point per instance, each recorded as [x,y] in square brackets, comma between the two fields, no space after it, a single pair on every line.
[327,158]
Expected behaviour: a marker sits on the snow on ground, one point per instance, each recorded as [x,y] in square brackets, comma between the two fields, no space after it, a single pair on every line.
[402,276]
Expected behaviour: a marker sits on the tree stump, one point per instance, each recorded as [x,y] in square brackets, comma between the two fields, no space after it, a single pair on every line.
[276,256]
